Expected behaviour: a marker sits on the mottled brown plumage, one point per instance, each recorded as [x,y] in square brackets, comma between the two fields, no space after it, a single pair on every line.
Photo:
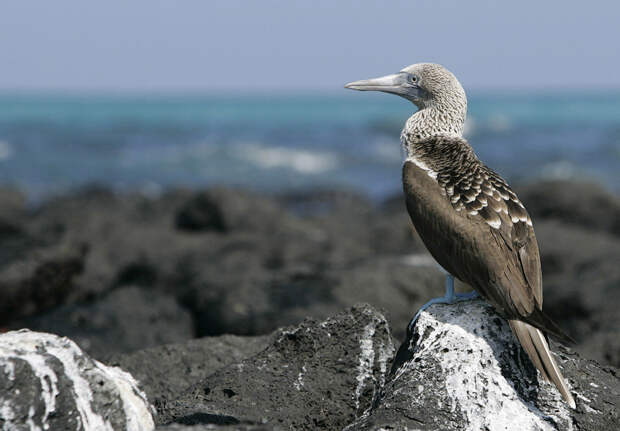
[476,228]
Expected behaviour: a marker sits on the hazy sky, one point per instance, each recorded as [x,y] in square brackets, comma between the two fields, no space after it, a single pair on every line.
[152,45]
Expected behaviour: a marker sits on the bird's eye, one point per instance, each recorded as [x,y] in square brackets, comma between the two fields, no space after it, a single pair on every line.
[413,79]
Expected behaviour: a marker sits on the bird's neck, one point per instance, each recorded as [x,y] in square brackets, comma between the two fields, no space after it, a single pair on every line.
[436,120]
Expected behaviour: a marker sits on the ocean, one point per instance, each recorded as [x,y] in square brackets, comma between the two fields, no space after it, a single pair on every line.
[52,143]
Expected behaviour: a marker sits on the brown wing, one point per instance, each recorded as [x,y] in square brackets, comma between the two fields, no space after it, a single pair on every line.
[469,229]
[479,232]
[484,195]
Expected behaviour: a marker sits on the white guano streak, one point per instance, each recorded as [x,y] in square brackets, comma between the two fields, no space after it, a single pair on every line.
[366,361]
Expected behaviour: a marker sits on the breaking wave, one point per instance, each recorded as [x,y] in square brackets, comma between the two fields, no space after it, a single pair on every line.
[302,161]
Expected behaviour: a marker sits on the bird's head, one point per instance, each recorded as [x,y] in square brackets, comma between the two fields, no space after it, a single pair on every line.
[424,84]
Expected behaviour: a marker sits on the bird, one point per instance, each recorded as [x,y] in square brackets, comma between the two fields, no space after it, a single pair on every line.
[466,214]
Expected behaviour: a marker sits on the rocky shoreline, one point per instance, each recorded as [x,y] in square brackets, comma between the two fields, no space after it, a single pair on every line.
[121,273]
[459,368]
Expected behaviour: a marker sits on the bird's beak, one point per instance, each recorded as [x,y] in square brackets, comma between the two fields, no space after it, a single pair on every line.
[395,84]
[388,84]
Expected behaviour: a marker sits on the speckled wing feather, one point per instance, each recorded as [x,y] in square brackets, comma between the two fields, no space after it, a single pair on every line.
[483,194]
[476,228]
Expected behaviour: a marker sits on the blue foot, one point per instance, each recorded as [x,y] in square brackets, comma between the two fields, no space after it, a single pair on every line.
[448,298]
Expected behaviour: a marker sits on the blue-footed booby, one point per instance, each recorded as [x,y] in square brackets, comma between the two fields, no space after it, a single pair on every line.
[468,217]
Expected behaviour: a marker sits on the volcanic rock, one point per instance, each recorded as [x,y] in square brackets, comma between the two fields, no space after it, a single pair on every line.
[461,368]
[47,382]
[165,372]
[127,319]
[317,375]
[584,204]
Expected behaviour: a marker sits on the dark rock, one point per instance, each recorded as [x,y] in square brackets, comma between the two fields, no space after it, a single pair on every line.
[164,372]
[462,369]
[46,382]
[240,210]
[281,259]
[318,375]
[271,263]
[581,279]
[584,204]
[201,213]
[256,301]
[348,217]
[39,281]
[130,238]
[255,279]
[125,320]
[35,274]
[9,230]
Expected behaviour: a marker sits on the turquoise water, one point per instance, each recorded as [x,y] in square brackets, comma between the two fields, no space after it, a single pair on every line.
[51,143]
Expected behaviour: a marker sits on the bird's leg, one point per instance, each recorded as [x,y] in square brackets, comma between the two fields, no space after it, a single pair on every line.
[449,298]
[449,295]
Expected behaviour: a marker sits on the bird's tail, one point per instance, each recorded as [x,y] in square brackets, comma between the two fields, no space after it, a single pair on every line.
[535,344]
[543,322]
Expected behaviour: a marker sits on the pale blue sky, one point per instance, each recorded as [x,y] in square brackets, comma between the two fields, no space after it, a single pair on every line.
[152,45]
